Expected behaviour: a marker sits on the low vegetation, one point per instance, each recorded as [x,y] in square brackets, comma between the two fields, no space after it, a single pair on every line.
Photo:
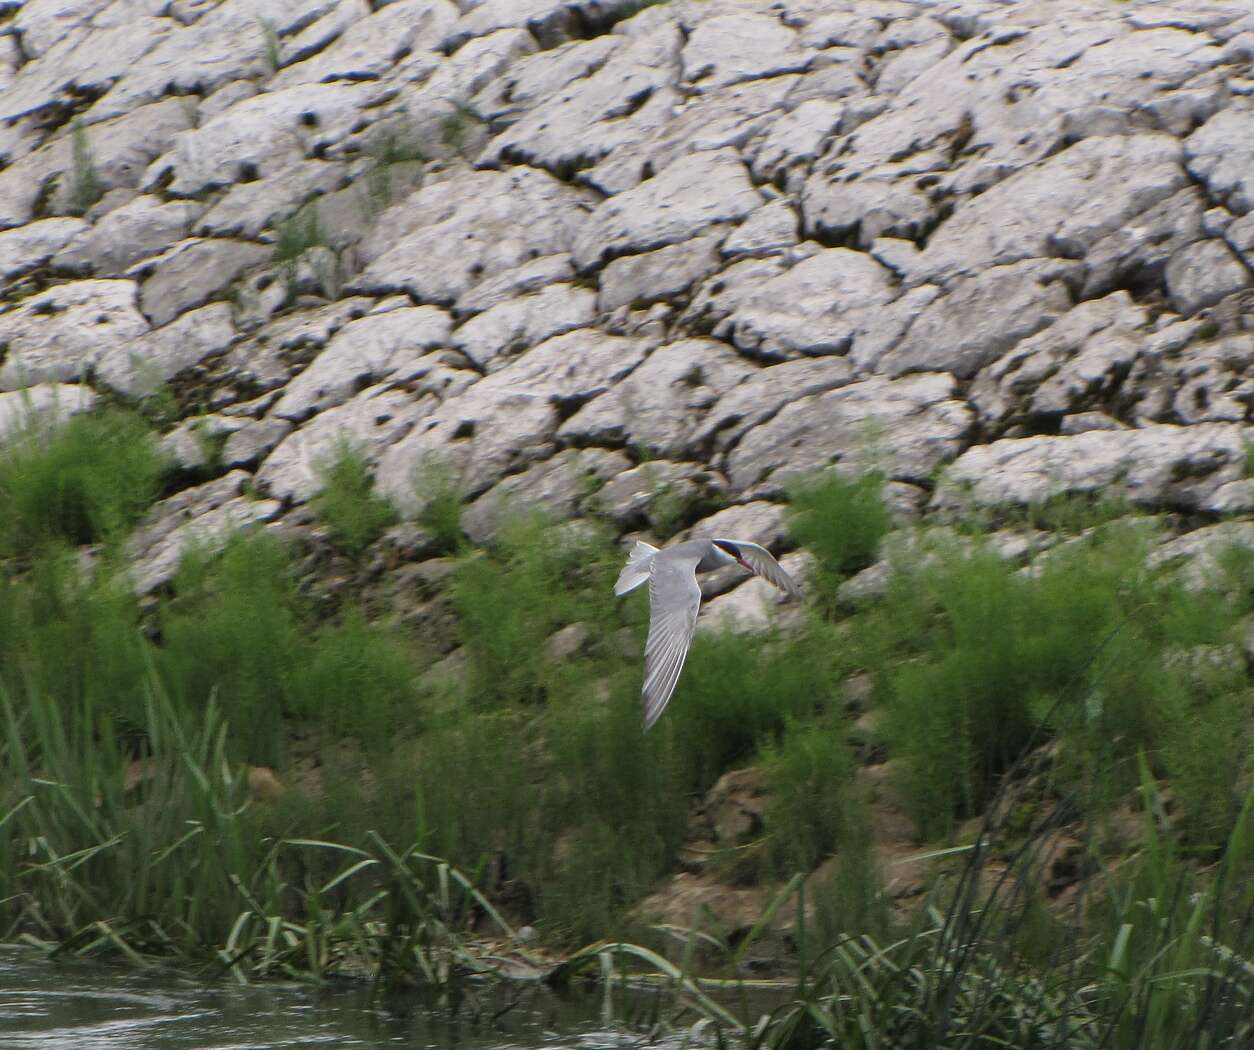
[249,777]
[347,503]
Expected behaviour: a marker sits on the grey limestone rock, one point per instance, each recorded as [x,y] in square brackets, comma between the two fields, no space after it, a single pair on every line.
[1073,366]
[143,227]
[905,427]
[1221,154]
[260,136]
[659,406]
[249,208]
[1156,465]
[617,104]
[680,201]
[658,494]
[361,353]
[191,273]
[252,442]
[61,332]
[1201,274]
[771,229]
[369,422]
[447,237]
[41,404]
[981,317]
[665,274]
[120,150]
[523,279]
[510,328]
[1062,206]
[204,517]
[758,522]
[31,246]
[555,487]
[763,392]
[729,48]
[141,366]
[815,307]
[509,419]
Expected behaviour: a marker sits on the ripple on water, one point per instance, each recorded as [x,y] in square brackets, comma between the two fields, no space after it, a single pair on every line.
[73,1005]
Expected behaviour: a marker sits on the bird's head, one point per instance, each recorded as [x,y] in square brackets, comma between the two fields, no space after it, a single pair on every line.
[732,551]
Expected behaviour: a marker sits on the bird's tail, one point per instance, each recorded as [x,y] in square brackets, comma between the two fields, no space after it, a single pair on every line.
[639,564]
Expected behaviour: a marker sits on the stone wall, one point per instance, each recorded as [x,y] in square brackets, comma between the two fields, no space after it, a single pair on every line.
[1000,250]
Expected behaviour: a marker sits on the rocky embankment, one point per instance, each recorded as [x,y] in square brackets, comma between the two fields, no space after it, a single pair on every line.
[1001,251]
[578,252]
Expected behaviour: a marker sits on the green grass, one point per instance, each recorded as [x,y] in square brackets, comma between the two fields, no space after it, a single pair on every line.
[441,501]
[808,774]
[85,187]
[355,515]
[841,522]
[84,480]
[975,660]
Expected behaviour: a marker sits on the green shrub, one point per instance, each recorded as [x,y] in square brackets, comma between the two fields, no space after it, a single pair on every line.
[808,778]
[83,481]
[510,599]
[73,636]
[976,660]
[355,515]
[356,681]
[841,522]
[737,691]
[441,500]
[232,632]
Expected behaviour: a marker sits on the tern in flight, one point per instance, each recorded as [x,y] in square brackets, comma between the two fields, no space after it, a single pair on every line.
[675,598]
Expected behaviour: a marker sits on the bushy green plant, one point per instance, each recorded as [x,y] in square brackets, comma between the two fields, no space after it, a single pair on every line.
[738,691]
[808,775]
[85,480]
[85,186]
[347,503]
[73,635]
[841,522]
[510,599]
[356,681]
[233,632]
[441,502]
[976,660]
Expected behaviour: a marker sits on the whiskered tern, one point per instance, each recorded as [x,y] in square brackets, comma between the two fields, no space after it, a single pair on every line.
[675,599]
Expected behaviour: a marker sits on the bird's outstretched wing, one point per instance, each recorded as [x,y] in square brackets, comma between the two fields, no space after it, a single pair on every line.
[674,601]
[763,563]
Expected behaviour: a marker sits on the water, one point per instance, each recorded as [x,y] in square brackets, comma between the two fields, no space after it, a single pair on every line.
[53,1004]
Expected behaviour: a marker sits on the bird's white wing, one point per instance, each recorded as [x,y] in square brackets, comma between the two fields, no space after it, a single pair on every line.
[763,563]
[674,600]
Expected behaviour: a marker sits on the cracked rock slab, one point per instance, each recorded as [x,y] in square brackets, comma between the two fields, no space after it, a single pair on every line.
[509,419]
[203,518]
[510,328]
[658,407]
[59,333]
[191,273]
[362,353]
[370,422]
[43,404]
[448,237]
[904,427]
[140,368]
[556,487]
[981,318]
[1156,465]
[678,203]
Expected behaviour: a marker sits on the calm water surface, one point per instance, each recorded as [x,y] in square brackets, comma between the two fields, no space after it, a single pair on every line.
[53,1005]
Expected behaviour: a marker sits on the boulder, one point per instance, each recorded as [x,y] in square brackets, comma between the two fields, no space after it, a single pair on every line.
[1151,466]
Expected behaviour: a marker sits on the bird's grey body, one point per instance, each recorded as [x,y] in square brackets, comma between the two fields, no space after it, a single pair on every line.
[675,600]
